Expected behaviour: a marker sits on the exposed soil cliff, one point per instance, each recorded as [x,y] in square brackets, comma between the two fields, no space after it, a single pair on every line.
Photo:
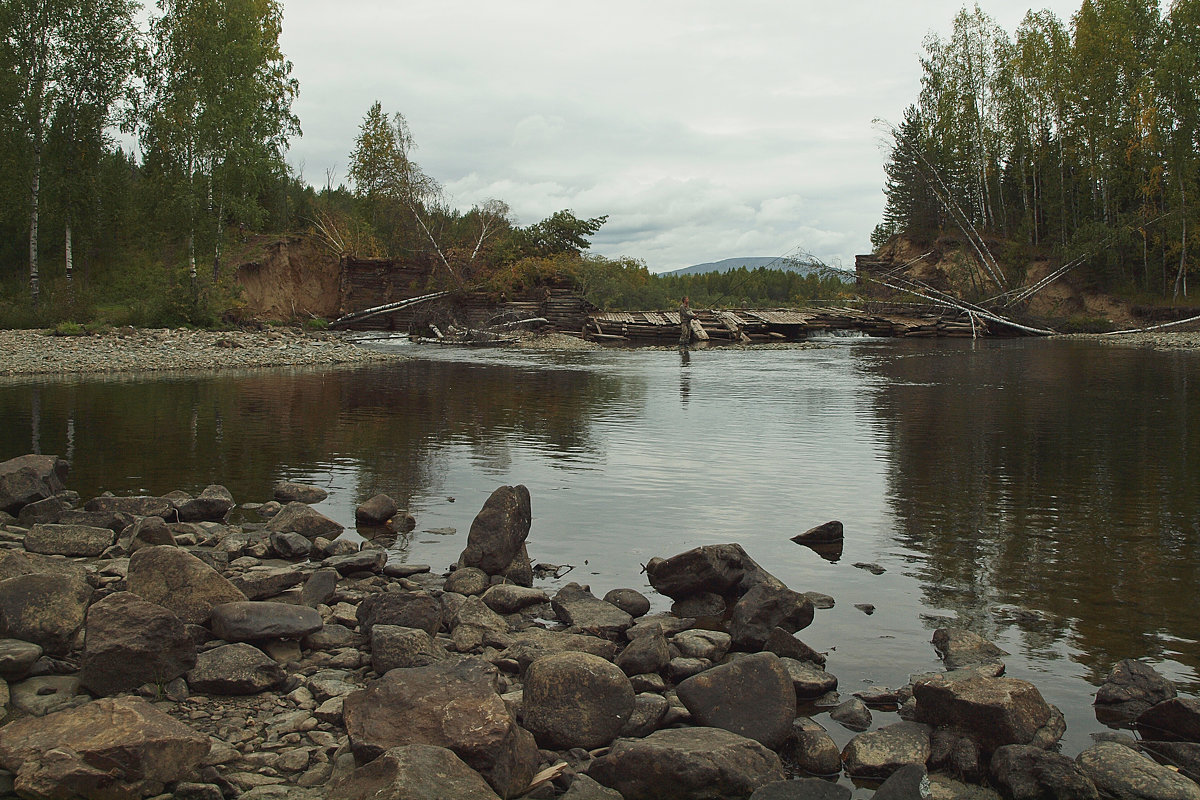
[289,277]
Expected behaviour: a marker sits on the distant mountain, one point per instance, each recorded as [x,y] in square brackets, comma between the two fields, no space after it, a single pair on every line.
[755,262]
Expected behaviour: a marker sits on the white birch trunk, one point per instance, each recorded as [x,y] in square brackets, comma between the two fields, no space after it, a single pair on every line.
[34,203]
[68,251]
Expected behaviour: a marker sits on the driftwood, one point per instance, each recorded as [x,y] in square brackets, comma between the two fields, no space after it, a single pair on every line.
[366,313]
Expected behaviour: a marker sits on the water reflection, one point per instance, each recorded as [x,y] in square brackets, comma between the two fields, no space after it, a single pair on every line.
[1051,488]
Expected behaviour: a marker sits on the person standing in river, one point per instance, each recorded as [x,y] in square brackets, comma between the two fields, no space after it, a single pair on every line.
[686,315]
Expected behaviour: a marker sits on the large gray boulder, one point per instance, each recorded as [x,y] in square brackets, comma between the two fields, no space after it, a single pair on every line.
[879,753]
[751,696]
[723,569]
[235,669]
[507,598]
[69,540]
[1124,773]
[45,511]
[496,542]
[576,700]
[393,646]
[1183,755]
[687,764]
[960,648]
[813,749]
[992,711]
[1025,772]
[449,704]
[291,492]
[14,563]
[257,620]
[585,613]
[406,609]
[45,609]
[179,582]
[378,510]
[413,772]
[146,532]
[113,747]
[1131,687]
[702,643]
[533,643]
[644,655]
[27,479]
[764,608]
[130,642]
[211,505]
[297,517]
[138,506]
[809,680]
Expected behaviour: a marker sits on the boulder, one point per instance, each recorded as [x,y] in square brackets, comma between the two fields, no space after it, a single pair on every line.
[261,582]
[235,669]
[507,598]
[146,532]
[68,540]
[496,542]
[27,479]
[468,581]
[290,492]
[992,711]
[575,700]
[256,620]
[370,560]
[762,609]
[474,625]
[113,747]
[449,704]
[211,505]
[879,753]
[406,609]
[393,646]
[649,709]
[45,694]
[852,715]
[827,533]
[290,544]
[115,521]
[959,648]
[809,680]
[130,642]
[584,788]
[533,643]
[49,510]
[910,782]
[1185,756]
[645,654]
[45,609]
[952,752]
[752,696]
[705,604]
[687,764]
[813,749]
[1177,719]
[413,772]
[723,569]
[786,645]
[1120,771]
[802,789]
[1024,772]
[138,506]
[319,588]
[576,606]
[1131,688]
[702,643]
[379,510]
[179,582]
[631,601]
[297,517]
[17,658]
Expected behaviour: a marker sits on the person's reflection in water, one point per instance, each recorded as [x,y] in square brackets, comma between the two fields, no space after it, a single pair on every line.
[685,376]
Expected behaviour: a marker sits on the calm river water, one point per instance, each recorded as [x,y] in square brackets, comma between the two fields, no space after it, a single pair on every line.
[1042,493]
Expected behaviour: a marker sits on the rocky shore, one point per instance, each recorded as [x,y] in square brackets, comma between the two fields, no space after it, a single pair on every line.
[158,350]
[192,647]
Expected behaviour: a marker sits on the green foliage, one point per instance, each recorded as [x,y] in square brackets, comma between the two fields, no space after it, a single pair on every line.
[316,324]
[68,329]
[1065,137]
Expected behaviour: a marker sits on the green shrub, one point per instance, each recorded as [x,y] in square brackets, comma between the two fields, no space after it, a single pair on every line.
[68,329]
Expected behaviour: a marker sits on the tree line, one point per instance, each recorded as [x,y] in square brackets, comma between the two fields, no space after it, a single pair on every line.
[1078,139]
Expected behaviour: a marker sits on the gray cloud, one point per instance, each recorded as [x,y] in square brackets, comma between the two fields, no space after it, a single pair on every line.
[703,129]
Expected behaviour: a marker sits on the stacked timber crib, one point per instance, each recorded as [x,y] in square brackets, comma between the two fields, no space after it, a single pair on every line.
[744,326]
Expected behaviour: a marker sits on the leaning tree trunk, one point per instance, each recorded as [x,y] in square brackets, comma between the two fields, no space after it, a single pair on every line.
[34,203]
[1181,275]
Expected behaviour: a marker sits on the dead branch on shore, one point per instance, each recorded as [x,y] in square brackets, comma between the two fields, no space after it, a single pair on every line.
[1153,327]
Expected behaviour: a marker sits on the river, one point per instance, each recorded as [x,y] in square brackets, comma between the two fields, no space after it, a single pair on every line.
[1042,493]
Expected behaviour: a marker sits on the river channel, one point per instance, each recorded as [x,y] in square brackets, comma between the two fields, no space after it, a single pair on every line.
[1045,494]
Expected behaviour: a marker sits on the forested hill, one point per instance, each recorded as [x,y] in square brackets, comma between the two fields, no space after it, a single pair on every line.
[727,264]
[1078,139]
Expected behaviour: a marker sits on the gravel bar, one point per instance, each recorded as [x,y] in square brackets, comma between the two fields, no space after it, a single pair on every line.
[32,352]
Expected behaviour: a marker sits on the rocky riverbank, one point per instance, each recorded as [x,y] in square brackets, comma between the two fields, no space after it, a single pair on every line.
[192,647]
[158,350]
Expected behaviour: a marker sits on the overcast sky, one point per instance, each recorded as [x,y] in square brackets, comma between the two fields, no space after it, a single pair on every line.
[704,130]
